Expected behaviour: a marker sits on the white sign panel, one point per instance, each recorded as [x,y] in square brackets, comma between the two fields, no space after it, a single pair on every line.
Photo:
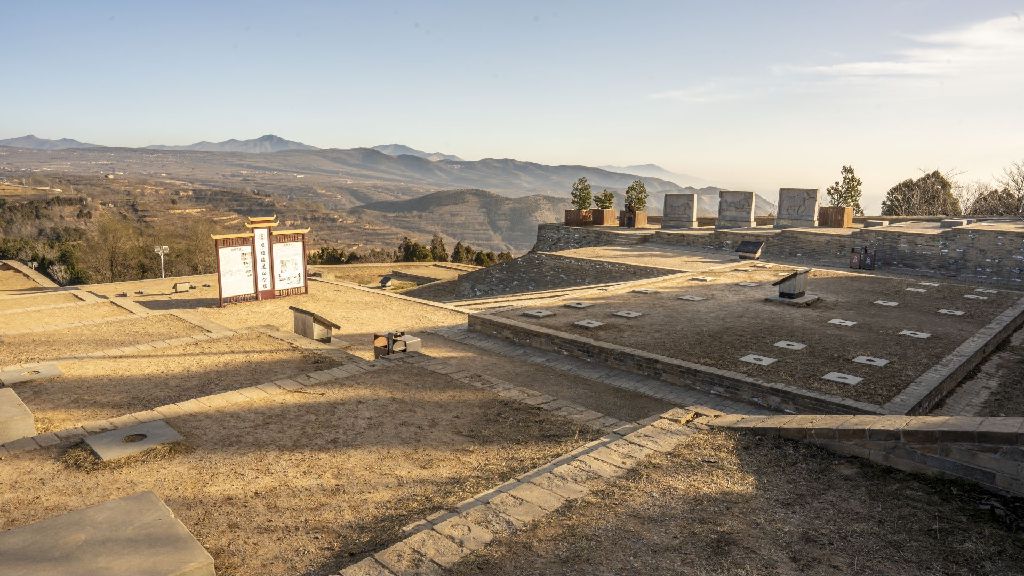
[236,275]
[289,269]
[263,278]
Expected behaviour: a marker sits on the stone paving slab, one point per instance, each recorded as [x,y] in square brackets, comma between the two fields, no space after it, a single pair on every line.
[124,442]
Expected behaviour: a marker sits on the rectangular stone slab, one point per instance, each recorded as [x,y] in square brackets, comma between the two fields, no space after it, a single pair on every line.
[798,208]
[27,374]
[680,211]
[16,420]
[735,209]
[136,535]
[112,445]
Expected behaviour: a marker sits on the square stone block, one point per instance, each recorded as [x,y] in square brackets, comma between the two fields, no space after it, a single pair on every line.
[790,345]
[975,297]
[588,323]
[16,420]
[915,334]
[627,314]
[579,305]
[131,440]
[842,378]
[886,303]
[951,312]
[538,313]
[759,360]
[692,298]
[35,372]
[132,536]
[916,290]
[680,211]
[841,322]
[871,361]
[798,208]
[735,209]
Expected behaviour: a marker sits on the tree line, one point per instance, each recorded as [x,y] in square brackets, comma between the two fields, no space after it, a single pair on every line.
[411,251]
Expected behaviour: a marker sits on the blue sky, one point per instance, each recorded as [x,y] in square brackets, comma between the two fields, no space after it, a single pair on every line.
[753,95]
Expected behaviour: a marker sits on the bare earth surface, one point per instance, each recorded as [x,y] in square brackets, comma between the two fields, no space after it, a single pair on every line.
[725,504]
[18,321]
[608,400]
[647,255]
[44,299]
[303,483]
[370,274]
[14,282]
[113,386]
[735,321]
[63,342]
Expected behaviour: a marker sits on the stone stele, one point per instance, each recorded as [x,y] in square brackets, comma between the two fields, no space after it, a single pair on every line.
[798,208]
[735,209]
[136,535]
[680,211]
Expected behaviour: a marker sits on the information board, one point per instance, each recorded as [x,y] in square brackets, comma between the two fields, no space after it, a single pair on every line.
[264,281]
[289,265]
[236,271]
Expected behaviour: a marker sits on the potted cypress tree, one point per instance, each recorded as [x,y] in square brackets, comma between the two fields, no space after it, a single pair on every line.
[605,215]
[581,199]
[635,214]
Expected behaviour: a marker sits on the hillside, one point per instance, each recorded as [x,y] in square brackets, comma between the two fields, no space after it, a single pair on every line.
[33,142]
[262,145]
[481,218]
[400,149]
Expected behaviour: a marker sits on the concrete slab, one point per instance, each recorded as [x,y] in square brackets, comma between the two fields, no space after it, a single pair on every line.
[759,360]
[36,372]
[886,303]
[975,297]
[579,305]
[841,322]
[788,345]
[16,420]
[871,361]
[842,378]
[748,284]
[916,290]
[131,440]
[136,535]
[805,300]
[915,334]
[588,323]
[644,291]
[628,314]
[951,312]
[692,298]
[538,313]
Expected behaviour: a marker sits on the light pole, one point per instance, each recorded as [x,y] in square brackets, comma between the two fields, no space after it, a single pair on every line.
[161,250]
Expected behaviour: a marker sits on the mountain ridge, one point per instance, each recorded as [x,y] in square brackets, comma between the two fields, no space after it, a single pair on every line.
[268,143]
[33,142]
[402,149]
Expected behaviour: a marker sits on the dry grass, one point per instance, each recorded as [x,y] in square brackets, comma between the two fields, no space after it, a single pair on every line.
[107,387]
[64,342]
[14,282]
[735,321]
[44,299]
[729,504]
[18,321]
[306,483]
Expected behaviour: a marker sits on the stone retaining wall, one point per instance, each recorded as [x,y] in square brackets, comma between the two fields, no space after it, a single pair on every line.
[774,395]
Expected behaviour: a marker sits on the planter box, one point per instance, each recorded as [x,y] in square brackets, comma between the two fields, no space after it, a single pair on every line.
[609,217]
[835,217]
[633,219]
[579,217]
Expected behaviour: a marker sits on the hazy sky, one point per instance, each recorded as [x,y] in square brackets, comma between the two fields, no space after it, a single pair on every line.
[753,95]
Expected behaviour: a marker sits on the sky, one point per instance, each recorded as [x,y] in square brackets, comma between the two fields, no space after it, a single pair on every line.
[744,95]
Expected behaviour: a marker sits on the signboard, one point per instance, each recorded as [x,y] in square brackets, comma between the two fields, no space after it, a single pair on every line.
[264,277]
[289,265]
[236,271]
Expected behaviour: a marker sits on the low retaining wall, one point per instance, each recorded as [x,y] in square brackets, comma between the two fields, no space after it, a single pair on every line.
[773,395]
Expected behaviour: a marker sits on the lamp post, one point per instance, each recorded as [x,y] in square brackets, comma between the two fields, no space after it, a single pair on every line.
[161,250]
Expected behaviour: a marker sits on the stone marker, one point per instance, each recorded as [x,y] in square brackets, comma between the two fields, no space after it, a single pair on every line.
[875,223]
[886,303]
[312,325]
[986,291]
[735,209]
[123,442]
[692,298]
[790,345]
[759,360]
[680,211]
[915,290]
[627,314]
[871,361]
[182,287]
[136,535]
[842,378]
[841,322]
[750,249]
[975,297]
[16,420]
[29,373]
[588,323]
[950,312]
[932,284]
[644,291]
[579,305]
[953,223]
[748,284]
[798,208]
[538,313]
[915,334]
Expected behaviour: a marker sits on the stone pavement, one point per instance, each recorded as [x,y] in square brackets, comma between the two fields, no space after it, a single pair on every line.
[1002,368]
[598,373]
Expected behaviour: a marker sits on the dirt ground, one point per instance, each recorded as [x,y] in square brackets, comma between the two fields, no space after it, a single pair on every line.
[647,255]
[113,386]
[18,321]
[735,321]
[729,504]
[370,274]
[64,342]
[14,282]
[304,483]
[44,299]
[608,400]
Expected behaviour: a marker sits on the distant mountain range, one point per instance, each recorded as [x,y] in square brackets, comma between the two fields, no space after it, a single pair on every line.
[655,171]
[400,149]
[262,145]
[35,143]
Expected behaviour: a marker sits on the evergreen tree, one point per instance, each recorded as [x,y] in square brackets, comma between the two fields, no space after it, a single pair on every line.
[458,253]
[437,249]
[846,192]
[636,196]
[581,194]
[929,195]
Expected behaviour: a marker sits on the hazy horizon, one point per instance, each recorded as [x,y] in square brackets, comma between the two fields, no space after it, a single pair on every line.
[744,96]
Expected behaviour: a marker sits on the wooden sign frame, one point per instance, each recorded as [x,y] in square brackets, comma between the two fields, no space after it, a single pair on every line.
[256,226]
